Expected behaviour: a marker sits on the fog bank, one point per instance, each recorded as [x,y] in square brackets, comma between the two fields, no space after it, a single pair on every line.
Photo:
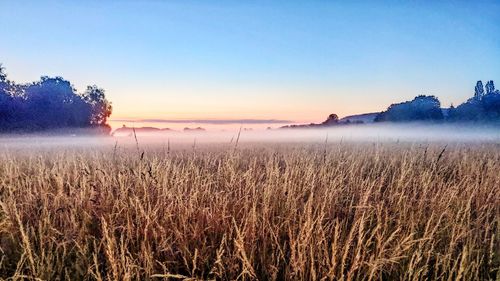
[355,133]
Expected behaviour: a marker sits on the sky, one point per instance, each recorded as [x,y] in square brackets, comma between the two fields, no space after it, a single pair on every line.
[280,61]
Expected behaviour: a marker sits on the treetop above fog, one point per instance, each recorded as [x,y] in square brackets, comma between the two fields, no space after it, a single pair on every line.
[51,103]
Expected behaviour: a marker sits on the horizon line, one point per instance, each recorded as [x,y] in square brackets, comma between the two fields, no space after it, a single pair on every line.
[206,121]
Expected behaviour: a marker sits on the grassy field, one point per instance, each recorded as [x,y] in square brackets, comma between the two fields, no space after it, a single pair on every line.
[351,211]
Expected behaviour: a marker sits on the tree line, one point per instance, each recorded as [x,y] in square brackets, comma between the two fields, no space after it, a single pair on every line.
[483,106]
[51,103]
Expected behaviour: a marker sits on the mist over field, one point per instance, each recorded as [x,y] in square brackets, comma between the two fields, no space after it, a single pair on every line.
[375,133]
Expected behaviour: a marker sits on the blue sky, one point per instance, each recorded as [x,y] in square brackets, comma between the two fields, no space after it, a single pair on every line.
[255,59]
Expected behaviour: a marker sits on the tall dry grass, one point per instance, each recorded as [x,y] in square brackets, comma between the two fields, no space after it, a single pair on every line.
[336,212]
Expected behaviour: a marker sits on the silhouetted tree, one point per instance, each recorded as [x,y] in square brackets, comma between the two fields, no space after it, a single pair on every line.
[468,111]
[484,107]
[10,105]
[100,108]
[490,87]
[3,76]
[479,90]
[451,111]
[50,103]
[491,106]
[331,120]
[421,108]
[4,83]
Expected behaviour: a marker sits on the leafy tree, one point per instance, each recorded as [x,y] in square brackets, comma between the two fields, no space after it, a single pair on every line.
[331,120]
[7,102]
[471,110]
[490,87]
[4,83]
[479,90]
[491,103]
[101,109]
[484,107]
[50,103]
[3,76]
[421,108]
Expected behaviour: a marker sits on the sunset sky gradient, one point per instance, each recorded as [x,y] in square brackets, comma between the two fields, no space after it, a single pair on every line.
[281,60]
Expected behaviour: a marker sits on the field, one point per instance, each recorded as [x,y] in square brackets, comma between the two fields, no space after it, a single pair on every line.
[337,211]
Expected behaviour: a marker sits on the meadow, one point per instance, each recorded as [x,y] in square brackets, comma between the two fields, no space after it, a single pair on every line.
[336,211]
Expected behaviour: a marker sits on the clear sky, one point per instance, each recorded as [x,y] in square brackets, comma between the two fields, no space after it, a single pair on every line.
[285,60]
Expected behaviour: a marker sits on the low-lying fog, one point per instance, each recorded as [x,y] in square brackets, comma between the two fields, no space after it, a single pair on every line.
[353,133]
